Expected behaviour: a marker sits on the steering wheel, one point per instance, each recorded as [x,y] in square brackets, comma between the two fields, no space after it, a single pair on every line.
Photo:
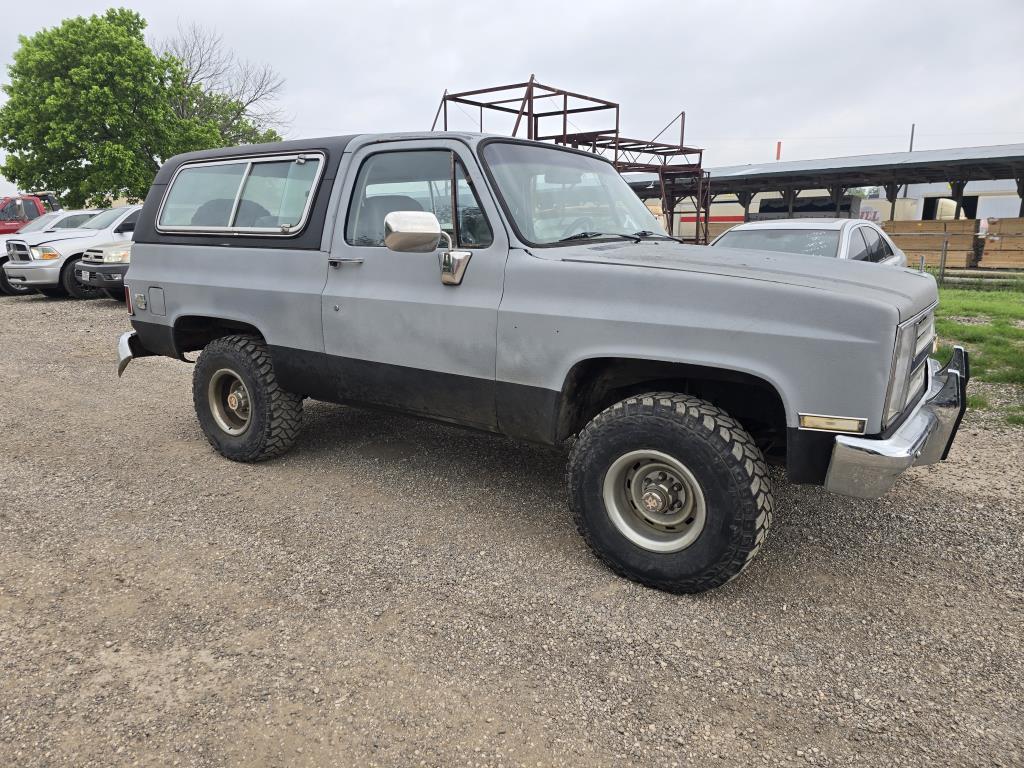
[582,224]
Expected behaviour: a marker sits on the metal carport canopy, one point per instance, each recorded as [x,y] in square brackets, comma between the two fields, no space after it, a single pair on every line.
[1005,161]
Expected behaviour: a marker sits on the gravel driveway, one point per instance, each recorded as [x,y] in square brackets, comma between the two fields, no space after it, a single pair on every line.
[395,592]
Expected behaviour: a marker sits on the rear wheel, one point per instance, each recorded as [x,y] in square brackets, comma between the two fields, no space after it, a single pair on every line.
[670,491]
[243,411]
[7,288]
[75,288]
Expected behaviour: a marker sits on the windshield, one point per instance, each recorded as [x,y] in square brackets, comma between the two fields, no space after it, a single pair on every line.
[105,219]
[810,242]
[552,195]
[40,223]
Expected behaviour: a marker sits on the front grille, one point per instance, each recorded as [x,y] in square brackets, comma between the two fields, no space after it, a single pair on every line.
[18,250]
[92,257]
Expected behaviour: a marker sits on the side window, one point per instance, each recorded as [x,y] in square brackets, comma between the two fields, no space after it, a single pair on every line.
[271,195]
[31,211]
[128,225]
[75,220]
[874,243]
[886,248]
[275,194]
[415,181]
[202,196]
[11,211]
[857,250]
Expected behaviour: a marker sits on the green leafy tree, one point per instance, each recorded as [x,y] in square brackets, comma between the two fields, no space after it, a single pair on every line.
[92,111]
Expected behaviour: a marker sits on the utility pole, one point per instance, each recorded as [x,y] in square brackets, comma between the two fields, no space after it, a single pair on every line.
[912,127]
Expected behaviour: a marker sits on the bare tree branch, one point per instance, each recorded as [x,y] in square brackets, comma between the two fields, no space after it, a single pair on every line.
[253,89]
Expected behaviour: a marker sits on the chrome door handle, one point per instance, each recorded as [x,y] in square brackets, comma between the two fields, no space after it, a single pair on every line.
[336,263]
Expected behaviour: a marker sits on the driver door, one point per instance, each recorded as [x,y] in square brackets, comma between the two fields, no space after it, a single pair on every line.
[394,335]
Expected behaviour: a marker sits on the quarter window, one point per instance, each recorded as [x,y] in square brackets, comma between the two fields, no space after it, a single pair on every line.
[430,180]
[257,195]
[875,251]
[858,249]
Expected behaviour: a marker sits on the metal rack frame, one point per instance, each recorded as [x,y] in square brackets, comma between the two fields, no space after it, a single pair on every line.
[537,106]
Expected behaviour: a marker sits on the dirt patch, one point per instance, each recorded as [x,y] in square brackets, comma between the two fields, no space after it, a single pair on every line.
[399,593]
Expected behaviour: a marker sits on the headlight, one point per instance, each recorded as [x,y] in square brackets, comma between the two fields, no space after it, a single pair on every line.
[117,256]
[45,253]
[914,341]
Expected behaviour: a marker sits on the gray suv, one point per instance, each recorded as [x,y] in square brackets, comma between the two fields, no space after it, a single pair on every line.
[523,289]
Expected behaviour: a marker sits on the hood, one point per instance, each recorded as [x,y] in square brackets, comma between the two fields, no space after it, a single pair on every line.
[907,290]
[48,238]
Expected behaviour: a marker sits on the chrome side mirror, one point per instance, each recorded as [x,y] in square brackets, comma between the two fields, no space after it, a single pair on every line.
[420,232]
[412,231]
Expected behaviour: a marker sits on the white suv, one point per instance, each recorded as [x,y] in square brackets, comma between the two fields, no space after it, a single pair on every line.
[46,260]
[852,239]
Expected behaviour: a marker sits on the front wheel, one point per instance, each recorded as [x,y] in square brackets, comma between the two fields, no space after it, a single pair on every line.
[243,411]
[74,287]
[670,491]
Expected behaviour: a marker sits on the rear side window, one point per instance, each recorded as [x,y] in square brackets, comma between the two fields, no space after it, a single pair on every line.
[886,248]
[259,195]
[876,251]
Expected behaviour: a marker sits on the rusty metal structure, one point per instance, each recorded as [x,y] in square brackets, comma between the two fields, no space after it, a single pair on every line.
[544,113]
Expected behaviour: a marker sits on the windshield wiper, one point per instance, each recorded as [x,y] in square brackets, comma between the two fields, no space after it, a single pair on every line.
[588,235]
[643,234]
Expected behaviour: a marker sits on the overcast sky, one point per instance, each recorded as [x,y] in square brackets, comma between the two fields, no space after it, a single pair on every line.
[826,78]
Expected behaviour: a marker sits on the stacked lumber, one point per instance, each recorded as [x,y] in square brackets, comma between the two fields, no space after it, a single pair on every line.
[715,228]
[1004,246]
[925,238]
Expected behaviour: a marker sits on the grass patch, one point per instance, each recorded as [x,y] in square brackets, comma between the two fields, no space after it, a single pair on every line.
[1016,418]
[996,347]
[966,302]
[977,402]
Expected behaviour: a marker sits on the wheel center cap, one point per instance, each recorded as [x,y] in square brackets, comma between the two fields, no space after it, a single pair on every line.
[233,401]
[654,500]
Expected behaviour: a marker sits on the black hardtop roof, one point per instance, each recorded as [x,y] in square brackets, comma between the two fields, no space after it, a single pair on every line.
[335,146]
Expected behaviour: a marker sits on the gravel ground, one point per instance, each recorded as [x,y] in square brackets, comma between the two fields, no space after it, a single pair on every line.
[395,592]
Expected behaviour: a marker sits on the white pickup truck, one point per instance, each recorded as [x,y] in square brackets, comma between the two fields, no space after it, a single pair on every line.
[46,261]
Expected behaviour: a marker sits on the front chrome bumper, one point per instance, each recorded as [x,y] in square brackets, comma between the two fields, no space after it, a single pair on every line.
[34,273]
[868,468]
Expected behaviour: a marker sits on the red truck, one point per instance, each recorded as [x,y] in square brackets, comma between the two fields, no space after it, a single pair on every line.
[18,210]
